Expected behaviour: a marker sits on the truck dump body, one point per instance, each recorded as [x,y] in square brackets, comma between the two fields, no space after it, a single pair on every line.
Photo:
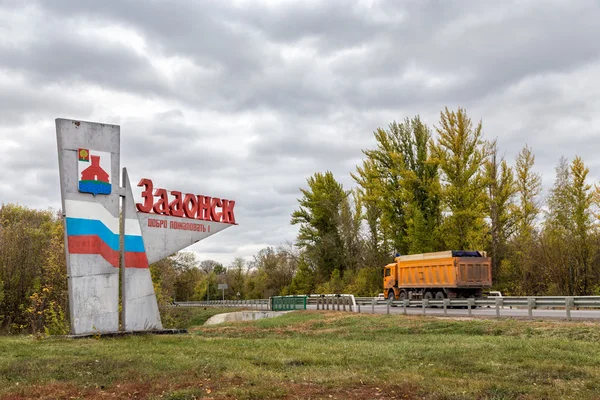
[439,272]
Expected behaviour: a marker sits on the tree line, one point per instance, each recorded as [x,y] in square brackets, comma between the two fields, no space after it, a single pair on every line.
[417,192]
[414,192]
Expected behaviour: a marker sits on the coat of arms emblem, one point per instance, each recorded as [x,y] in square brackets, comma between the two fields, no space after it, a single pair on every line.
[94,171]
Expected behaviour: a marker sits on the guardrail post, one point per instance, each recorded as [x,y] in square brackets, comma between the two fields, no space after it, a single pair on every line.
[569,302]
[343,303]
[318,301]
[530,305]
[358,305]
[388,306]
[424,303]
[499,302]
[404,305]
[470,302]
[446,303]
[373,305]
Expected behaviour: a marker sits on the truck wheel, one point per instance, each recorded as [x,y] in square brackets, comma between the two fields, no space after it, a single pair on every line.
[391,297]
[402,295]
[428,296]
[439,296]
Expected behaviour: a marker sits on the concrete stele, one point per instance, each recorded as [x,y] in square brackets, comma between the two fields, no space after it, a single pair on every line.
[93,281]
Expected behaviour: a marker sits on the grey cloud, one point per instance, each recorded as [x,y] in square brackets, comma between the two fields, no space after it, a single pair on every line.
[335,24]
[69,60]
[178,27]
[427,36]
[22,102]
[310,82]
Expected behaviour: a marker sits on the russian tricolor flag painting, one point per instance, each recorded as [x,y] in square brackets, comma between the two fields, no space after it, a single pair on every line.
[92,229]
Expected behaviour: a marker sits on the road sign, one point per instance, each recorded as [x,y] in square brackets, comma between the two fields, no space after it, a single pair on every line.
[223,286]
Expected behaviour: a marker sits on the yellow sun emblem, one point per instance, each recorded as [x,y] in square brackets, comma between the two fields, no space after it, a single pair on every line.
[83,153]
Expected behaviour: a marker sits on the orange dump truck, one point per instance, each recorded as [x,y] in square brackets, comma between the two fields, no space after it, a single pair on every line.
[444,274]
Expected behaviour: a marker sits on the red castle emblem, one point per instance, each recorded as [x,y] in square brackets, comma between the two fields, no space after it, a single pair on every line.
[94,178]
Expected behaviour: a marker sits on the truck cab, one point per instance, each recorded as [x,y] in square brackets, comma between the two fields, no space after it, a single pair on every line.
[390,280]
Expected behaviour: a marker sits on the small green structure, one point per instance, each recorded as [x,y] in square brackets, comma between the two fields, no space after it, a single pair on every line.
[284,303]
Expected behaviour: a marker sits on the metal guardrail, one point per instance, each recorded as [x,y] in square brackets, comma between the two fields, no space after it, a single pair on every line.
[256,304]
[531,303]
[343,302]
[340,300]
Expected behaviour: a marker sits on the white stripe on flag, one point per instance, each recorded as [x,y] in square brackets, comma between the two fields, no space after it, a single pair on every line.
[89,210]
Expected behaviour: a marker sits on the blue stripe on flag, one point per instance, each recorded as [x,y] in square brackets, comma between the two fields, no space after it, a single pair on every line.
[84,227]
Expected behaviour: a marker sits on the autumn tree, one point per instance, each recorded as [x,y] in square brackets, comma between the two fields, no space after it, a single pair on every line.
[272,271]
[420,188]
[461,153]
[319,219]
[304,280]
[32,271]
[381,181]
[399,186]
[377,247]
[523,268]
[349,228]
[164,278]
[236,275]
[188,275]
[569,229]
[501,189]
[209,266]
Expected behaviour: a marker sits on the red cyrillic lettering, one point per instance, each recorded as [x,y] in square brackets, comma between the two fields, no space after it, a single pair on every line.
[203,208]
[228,216]
[162,205]
[214,215]
[190,206]
[176,206]
[146,195]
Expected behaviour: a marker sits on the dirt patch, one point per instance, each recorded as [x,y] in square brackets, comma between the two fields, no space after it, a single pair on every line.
[214,388]
[360,391]
[123,390]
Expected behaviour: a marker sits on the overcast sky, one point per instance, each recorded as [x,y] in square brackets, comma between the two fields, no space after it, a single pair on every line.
[246,99]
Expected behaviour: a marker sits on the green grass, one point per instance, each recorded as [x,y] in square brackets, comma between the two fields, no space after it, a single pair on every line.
[186,317]
[315,355]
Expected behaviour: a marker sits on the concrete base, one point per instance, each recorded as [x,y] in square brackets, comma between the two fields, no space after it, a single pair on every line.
[243,316]
[127,333]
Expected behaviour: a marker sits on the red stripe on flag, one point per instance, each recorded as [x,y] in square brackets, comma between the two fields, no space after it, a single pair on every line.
[92,244]
[136,260]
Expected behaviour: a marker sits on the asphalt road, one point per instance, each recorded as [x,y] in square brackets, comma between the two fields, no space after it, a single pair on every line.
[481,312]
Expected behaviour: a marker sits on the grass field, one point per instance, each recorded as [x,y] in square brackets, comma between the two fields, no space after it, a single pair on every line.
[314,355]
